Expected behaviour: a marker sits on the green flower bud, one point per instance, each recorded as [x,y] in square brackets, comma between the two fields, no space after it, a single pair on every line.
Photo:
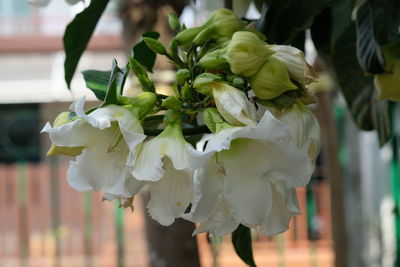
[214,60]
[145,101]
[203,81]
[182,76]
[271,80]
[186,92]
[214,121]
[185,38]
[172,103]
[172,117]
[225,23]
[204,35]
[155,45]
[173,22]
[237,81]
[388,84]
[246,53]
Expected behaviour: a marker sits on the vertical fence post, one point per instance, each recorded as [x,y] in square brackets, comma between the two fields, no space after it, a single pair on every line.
[119,233]
[23,214]
[54,183]
[88,229]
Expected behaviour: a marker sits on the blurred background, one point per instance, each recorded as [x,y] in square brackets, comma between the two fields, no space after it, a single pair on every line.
[43,222]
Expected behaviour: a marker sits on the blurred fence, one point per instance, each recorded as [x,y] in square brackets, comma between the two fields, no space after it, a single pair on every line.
[44,222]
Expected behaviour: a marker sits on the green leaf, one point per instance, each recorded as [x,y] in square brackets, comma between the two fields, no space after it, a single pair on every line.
[143,54]
[145,82]
[368,112]
[77,36]
[386,20]
[241,240]
[281,21]
[114,88]
[368,52]
[97,81]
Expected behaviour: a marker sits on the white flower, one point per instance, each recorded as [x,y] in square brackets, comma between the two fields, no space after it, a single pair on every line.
[163,163]
[295,63]
[233,105]
[248,177]
[110,137]
[46,2]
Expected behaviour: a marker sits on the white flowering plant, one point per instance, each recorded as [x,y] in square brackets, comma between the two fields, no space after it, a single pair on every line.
[246,97]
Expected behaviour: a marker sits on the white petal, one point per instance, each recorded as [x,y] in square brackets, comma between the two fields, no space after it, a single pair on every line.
[278,219]
[149,164]
[123,188]
[221,221]
[98,166]
[233,105]
[170,196]
[96,118]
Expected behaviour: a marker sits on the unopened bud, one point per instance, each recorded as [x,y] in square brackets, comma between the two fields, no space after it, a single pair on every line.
[186,92]
[202,82]
[182,76]
[173,22]
[185,38]
[214,60]
[271,80]
[145,101]
[172,103]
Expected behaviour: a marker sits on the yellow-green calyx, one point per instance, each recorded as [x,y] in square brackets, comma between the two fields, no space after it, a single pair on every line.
[271,80]
[388,84]
[246,53]
[214,120]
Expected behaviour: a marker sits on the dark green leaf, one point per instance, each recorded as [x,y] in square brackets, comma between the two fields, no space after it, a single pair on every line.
[97,81]
[368,112]
[114,90]
[77,35]
[386,20]
[143,54]
[281,21]
[368,52]
[241,240]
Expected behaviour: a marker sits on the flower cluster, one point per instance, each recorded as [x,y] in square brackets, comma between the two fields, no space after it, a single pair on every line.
[246,99]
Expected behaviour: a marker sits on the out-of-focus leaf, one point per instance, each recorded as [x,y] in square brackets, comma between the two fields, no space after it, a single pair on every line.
[368,51]
[368,112]
[97,81]
[139,71]
[77,36]
[143,54]
[386,20]
[281,21]
[241,240]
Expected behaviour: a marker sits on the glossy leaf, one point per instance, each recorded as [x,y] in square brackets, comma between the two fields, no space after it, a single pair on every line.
[78,34]
[241,240]
[114,88]
[97,81]
[143,54]
[369,54]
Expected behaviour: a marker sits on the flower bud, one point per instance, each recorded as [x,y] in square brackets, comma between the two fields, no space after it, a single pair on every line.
[185,38]
[388,84]
[172,103]
[271,80]
[236,81]
[233,105]
[246,53]
[204,35]
[225,23]
[145,101]
[214,60]
[186,92]
[155,45]
[295,63]
[202,82]
[173,22]
[182,76]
